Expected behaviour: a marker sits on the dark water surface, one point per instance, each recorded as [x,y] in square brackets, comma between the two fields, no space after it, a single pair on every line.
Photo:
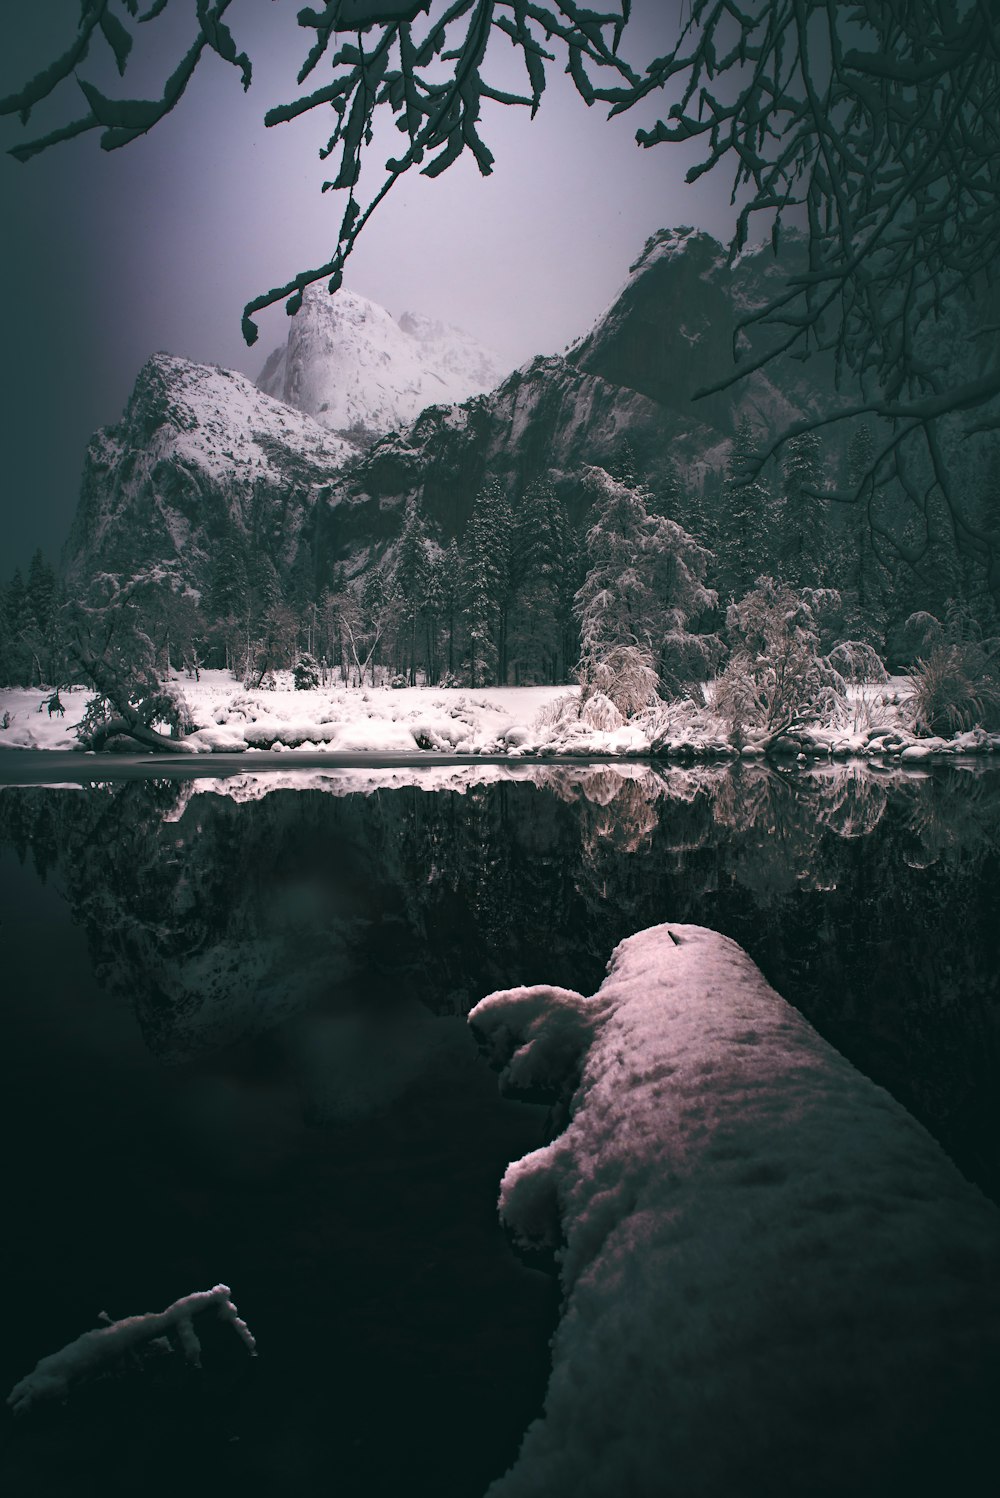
[233,1048]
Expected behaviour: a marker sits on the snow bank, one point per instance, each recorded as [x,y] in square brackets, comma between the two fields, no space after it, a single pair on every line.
[496,722]
[93,1351]
[775,1281]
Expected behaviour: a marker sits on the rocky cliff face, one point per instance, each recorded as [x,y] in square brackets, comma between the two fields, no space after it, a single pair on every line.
[352,367]
[199,458]
[632,379]
[669,333]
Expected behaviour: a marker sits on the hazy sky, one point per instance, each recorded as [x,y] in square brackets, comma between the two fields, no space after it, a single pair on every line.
[109,257]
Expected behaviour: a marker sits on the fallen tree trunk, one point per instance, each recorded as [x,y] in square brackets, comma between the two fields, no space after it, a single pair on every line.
[148,737]
[774,1279]
[129,721]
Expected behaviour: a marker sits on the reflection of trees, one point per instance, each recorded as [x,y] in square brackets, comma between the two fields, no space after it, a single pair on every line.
[870,902]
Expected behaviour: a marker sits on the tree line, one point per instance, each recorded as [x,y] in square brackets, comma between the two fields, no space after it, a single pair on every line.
[532,591]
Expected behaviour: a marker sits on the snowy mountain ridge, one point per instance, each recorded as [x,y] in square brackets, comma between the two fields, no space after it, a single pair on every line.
[203,459]
[350,365]
[199,452]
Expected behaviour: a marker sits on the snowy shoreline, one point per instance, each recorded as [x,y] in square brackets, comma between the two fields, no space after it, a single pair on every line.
[340,725]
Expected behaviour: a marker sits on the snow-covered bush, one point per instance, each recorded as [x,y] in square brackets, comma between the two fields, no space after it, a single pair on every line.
[168,706]
[956,687]
[622,675]
[956,679]
[776,675]
[920,633]
[600,712]
[306,673]
[858,662]
[560,712]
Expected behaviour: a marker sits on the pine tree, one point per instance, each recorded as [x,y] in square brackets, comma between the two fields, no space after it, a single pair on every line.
[41,593]
[17,649]
[804,548]
[863,582]
[646,580]
[744,518]
[543,582]
[449,578]
[409,583]
[486,583]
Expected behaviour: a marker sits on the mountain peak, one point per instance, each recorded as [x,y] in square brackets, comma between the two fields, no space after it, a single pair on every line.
[349,364]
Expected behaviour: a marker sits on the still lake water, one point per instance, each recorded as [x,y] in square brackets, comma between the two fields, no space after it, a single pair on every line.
[233,1048]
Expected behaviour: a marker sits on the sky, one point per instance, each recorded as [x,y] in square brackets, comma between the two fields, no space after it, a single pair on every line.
[109,257]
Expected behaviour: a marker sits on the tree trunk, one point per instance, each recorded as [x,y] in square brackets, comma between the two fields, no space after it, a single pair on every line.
[127,723]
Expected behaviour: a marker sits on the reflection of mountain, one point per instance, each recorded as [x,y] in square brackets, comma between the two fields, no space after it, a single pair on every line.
[868,901]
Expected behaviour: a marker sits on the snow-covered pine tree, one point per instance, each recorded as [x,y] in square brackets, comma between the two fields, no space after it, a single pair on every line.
[804,547]
[410,578]
[864,583]
[16,662]
[645,582]
[448,579]
[544,579]
[486,558]
[745,518]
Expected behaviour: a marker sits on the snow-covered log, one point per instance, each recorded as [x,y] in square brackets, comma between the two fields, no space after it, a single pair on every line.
[775,1281]
[90,1353]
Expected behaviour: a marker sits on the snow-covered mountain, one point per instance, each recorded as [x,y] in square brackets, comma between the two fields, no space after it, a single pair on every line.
[200,457]
[631,379]
[353,367]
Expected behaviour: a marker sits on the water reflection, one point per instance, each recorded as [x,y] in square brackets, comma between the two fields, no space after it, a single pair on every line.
[219,908]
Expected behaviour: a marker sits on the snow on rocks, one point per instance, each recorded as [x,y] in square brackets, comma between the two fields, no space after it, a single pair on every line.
[775,1281]
[499,722]
[93,1351]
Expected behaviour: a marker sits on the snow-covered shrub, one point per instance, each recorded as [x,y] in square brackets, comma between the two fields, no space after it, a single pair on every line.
[398,682]
[858,662]
[921,632]
[956,679]
[560,712]
[306,673]
[168,707]
[623,674]
[600,712]
[956,687]
[776,675]
[239,709]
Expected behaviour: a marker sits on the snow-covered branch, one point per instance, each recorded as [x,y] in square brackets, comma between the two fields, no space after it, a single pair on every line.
[53,1376]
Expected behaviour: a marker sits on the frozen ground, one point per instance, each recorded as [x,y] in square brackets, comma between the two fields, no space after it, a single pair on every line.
[495,721]
[774,1279]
